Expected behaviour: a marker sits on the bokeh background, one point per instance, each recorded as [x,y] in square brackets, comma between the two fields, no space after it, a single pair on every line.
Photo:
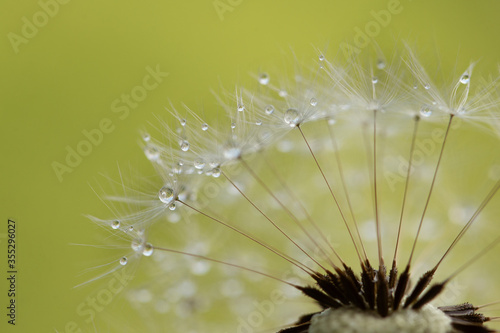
[66,65]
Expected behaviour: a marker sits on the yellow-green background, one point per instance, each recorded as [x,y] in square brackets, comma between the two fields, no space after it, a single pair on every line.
[65,78]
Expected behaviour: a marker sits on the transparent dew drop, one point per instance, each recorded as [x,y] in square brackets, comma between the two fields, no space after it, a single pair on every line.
[184,145]
[146,137]
[204,127]
[233,125]
[427,86]
[216,172]
[264,78]
[241,107]
[374,80]
[166,194]
[131,228]
[292,117]
[321,57]
[152,153]
[172,206]
[380,64]
[148,249]
[258,122]
[199,164]
[282,93]
[313,101]
[332,121]
[183,122]
[115,224]
[269,109]
[464,79]
[425,111]
[123,261]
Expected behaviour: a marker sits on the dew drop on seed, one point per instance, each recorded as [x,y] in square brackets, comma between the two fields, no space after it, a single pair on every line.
[115,224]
[269,109]
[148,249]
[146,137]
[292,117]
[380,64]
[425,111]
[123,261]
[313,101]
[216,172]
[241,107]
[199,164]
[258,122]
[172,206]
[321,57]
[331,121]
[427,86]
[465,79]
[184,145]
[204,127]
[374,80]
[131,228]
[233,125]
[151,153]
[282,93]
[263,78]
[166,194]
[183,122]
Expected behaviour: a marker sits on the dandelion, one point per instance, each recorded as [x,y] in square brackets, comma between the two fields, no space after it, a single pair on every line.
[248,217]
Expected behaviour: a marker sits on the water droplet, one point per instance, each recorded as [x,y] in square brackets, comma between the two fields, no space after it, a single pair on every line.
[425,111]
[374,80]
[283,93]
[269,109]
[216,172]
[152,153]
[166,194]
[123,261]
[199,164]
[321,57]
[241,107]
[465,79]
[258,122]
[146,137]
[292,117]
[380,64]
[183,122]
[263,78]
[115,224]
[131,228]
[232,153]
[172,206]
[313,101]
[427,86]
[204,127]
[184,145]
[233,125]
[148,249]
[331,121]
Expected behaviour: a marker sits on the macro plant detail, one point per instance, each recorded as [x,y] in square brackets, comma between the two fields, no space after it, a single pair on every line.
[375,151]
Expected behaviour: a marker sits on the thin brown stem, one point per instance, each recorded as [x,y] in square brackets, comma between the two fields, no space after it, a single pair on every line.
[330,189]
[432,187]
[226,263]
[290,260]
[271,221]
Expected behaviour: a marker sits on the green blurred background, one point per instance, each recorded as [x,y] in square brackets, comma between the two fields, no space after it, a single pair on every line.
[65,67]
